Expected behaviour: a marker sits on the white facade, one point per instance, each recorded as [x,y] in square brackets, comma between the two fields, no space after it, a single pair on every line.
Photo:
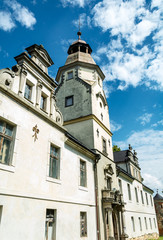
[27,191]
[139,205]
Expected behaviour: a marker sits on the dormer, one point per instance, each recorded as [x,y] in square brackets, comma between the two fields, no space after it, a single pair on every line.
[40,56]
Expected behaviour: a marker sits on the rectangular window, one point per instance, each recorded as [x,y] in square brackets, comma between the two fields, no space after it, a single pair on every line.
[140,224]
[145,220]
[43,102]
[120,185]
[146,198]
[83,224]
[142,198]
[1,207]
[50,224]
[129,191]
[28,91]
[83,177]
[70,75]
[151,200]
[154,222]
[6,142]
[54,166]
[69,101]
[104,150]
[150,222]
[109,183]
[133,224]
[136,195]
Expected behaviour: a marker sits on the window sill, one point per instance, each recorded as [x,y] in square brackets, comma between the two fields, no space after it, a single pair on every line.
[44,110]
[85,189]
[7,168]
[54,180]
[29,100]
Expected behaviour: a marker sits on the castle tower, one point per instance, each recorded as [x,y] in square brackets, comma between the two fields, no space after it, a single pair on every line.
[81,98]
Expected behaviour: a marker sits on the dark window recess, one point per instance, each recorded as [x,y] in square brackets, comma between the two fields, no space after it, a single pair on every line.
[69,101]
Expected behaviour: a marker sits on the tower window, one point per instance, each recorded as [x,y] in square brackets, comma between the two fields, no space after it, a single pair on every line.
[104,150]
[83,176]
[69,101]
[69,75]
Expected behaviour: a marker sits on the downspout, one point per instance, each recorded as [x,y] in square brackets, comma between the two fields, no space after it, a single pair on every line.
[98,156]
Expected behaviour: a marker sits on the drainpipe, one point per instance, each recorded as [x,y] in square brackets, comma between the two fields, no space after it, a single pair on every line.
[98,156]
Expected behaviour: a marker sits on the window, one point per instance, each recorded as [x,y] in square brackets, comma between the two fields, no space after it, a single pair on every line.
[151,200]
[136,195]
[101,116]
[109,183]
[133,224]
[70,75]
[154,222]
[104,146]
[83,180]
[69,101]
[140,224]
[142,198]
[28,91]
[1,207]
[43,102]
[54,166]
[120,185]
[6,142]
[83,224]
[150,222]
[129,191]
[50,224]
[145,220]
[146,198]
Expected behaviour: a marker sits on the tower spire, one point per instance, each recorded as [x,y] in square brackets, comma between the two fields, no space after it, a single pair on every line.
[79,32]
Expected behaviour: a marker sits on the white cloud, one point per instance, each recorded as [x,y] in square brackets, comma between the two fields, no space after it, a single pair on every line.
[21,14]
[145,118]
[131,22]
[115,126]
[74,3]
[158,123]
[149,146]
[6,21]
[84,21]
[152,181]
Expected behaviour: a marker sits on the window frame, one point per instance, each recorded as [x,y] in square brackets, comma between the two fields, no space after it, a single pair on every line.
[136,195]
[50,222]
[44,96]
[84,172]
[30,84]
[66,99]
[85,224]
[69,77]
[104,147]
[140,224]
[133,223]
[9,138]
[129,191]
[142,197]
[52,159]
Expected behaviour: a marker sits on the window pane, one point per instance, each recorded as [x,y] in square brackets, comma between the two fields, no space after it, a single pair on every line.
[69,101]
[82,174]
[4,150]
[54,162]
[83,224]
[1,126]
[9,130]
[43,102]
[28,90]
[70,75]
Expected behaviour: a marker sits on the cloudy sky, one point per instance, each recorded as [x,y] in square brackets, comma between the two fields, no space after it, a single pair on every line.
[127,41]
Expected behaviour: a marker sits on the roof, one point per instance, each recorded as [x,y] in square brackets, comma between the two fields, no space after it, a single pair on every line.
[120,156]
[158,197]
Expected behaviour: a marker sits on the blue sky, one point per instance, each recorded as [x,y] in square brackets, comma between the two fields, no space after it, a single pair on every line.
[127,42]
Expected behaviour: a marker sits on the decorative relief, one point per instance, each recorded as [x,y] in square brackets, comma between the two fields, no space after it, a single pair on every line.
[36,131]
[108,170]
[7,77]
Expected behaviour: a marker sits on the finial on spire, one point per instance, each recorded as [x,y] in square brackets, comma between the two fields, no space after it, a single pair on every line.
[79,32]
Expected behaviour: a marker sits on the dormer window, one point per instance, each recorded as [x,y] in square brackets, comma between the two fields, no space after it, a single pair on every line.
[28,91]
[70,75]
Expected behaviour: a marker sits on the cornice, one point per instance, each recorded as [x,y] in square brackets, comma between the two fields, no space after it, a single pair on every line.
[83,64]
[88,117]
